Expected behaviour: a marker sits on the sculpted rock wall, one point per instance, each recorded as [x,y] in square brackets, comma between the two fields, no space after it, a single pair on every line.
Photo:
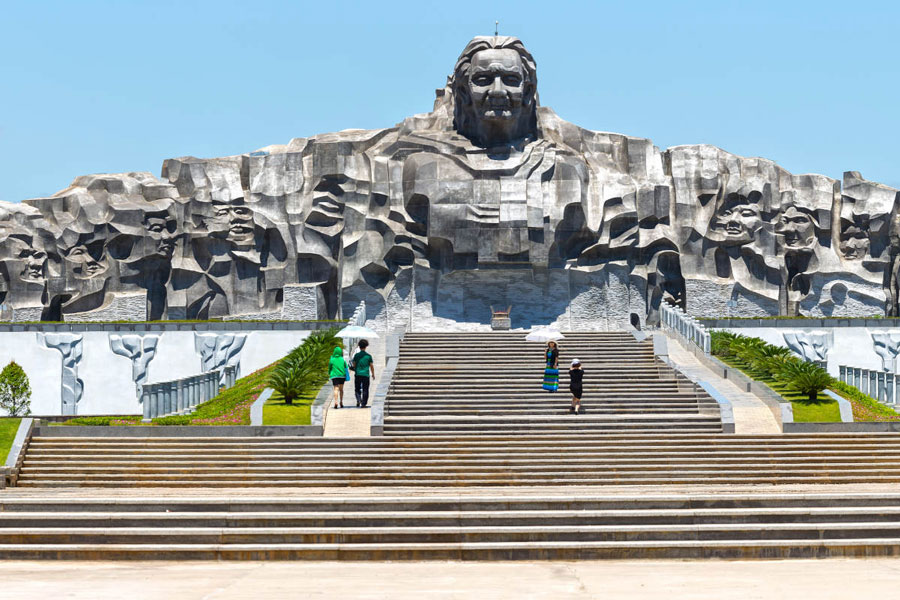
[490,199]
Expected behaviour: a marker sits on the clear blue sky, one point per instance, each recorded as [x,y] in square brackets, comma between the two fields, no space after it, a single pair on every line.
[92,86]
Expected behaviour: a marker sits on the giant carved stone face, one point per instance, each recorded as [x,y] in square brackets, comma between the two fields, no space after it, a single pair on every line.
[162,230]
[736,223]
[87,259]
[854,243]
[497,89]
[795,228]
[233,220]
[33,261]
[495,93]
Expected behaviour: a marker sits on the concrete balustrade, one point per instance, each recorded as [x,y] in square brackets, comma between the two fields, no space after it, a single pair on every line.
[884,386]
[687,327]
[181,396]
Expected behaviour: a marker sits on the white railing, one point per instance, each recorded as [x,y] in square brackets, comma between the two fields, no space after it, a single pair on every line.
[359,315]
[884,386]
[181,396]
[358,318]
[686,327]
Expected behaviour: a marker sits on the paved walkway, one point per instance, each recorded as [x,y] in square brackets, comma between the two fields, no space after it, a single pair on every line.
[751,415]
[349,421]
[635,580]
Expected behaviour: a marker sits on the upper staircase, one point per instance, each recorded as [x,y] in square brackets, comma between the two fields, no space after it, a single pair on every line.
[491,384]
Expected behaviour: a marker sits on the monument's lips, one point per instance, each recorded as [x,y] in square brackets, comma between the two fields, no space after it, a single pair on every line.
[488,199]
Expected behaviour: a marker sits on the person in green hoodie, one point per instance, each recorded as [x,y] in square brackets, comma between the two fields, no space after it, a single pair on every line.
[337,372]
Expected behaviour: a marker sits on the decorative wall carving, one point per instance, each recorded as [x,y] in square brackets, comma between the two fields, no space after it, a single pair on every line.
[887,347]
[809,346]
[71,387]
[140,349]
[488,181]
[218,350]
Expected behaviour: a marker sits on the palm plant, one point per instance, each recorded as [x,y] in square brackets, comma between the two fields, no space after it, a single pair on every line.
[720,342]
[765,360]
[304,367]
[805,378]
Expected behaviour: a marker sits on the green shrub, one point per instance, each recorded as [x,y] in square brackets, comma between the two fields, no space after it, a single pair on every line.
[15,391]
[720,342]
[173,420]
[805,378]
[305,367]
[104,421]
[865,408]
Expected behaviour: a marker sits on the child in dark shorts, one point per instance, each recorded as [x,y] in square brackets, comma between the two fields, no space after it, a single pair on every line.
[576,378]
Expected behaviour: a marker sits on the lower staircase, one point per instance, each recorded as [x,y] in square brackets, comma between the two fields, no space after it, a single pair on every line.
[477,462]
[484,527]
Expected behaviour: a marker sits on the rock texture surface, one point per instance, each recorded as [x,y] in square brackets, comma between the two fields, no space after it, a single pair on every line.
[490,199]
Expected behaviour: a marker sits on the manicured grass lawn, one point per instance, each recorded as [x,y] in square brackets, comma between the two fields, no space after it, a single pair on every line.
[276,412]
[8,428]
[826,411]
[823,410]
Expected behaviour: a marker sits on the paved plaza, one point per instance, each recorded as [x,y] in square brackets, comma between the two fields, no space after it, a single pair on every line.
[550,580]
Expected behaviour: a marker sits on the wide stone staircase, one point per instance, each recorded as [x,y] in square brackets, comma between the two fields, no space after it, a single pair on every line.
[490,384]
[561,459]
[411,527]
[477,463]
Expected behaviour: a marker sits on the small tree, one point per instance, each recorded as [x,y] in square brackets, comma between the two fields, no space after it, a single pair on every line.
[15,391]
[805,378]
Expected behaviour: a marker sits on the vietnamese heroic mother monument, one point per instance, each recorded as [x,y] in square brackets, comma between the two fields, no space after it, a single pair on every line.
[490,199]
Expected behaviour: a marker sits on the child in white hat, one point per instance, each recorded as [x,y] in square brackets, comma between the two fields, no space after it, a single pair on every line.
[576,378]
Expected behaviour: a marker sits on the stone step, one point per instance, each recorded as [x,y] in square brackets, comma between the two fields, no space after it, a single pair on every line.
[459,481]
[722,549]
[175,534]
[440,518]
[560,467]
[814,441]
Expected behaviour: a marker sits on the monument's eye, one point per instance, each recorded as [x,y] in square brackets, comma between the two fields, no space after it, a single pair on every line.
[511,80]
[748,212]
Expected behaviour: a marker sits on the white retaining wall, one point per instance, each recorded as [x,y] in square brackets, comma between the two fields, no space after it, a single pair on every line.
[108,379]
[851,346]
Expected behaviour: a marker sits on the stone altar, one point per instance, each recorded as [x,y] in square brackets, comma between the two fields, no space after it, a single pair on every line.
[489,198]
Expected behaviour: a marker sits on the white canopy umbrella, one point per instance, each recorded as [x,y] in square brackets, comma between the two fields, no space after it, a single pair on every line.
[355,332]
[544,334]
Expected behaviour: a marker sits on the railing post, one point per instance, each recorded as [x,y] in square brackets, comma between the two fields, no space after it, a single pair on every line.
[170,397]
[145,401]
[889,388]
[154,401]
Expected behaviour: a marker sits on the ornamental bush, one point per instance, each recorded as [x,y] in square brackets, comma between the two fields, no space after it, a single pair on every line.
[305,367]
[15,391]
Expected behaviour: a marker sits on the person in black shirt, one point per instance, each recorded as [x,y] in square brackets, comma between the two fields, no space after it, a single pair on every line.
[576,377]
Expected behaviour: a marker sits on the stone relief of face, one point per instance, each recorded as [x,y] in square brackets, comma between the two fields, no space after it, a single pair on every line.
[87,259]
[25,261]
[795,228]
[497,86]
[854,243]
[233,220]
[162,231]
[737,223]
